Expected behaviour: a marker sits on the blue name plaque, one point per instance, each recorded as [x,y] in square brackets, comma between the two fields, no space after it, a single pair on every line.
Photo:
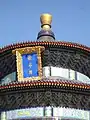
[30,65]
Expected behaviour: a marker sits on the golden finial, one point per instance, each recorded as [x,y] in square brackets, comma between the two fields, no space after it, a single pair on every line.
[46,20]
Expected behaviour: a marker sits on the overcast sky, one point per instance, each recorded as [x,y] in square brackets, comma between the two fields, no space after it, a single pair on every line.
[20,20]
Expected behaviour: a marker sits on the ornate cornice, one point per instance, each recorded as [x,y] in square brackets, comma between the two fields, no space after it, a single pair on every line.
[46,83]
[24,98]
[45,43]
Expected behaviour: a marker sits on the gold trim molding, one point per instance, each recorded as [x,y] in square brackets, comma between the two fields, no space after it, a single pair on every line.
[28,50]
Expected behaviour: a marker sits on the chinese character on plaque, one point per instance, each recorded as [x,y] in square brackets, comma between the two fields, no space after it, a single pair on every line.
[30,65]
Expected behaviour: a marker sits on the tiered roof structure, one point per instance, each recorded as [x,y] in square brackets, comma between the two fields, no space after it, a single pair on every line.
[40,83]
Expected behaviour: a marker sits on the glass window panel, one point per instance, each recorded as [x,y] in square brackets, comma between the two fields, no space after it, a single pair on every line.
[9,78]
[72,74]
[59,72]
[83,78]
[46,71]
[65,73]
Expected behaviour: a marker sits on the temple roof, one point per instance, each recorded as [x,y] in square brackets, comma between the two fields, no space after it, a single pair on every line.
[56,82]
[45,43]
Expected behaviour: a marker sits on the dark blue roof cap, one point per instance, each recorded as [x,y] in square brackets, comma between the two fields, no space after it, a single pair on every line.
[46,33]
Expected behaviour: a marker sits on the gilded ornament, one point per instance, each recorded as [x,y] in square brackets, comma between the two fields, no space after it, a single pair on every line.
[46,19]
[28,50]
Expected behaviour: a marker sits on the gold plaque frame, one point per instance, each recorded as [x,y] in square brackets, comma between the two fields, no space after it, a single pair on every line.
[27,50]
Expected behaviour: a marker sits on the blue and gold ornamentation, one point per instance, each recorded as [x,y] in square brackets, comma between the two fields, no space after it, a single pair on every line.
[29,66]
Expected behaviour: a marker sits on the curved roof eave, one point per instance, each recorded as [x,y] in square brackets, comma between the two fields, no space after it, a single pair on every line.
[45,43]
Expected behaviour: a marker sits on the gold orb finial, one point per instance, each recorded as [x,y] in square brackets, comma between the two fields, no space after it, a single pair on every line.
[46,20]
